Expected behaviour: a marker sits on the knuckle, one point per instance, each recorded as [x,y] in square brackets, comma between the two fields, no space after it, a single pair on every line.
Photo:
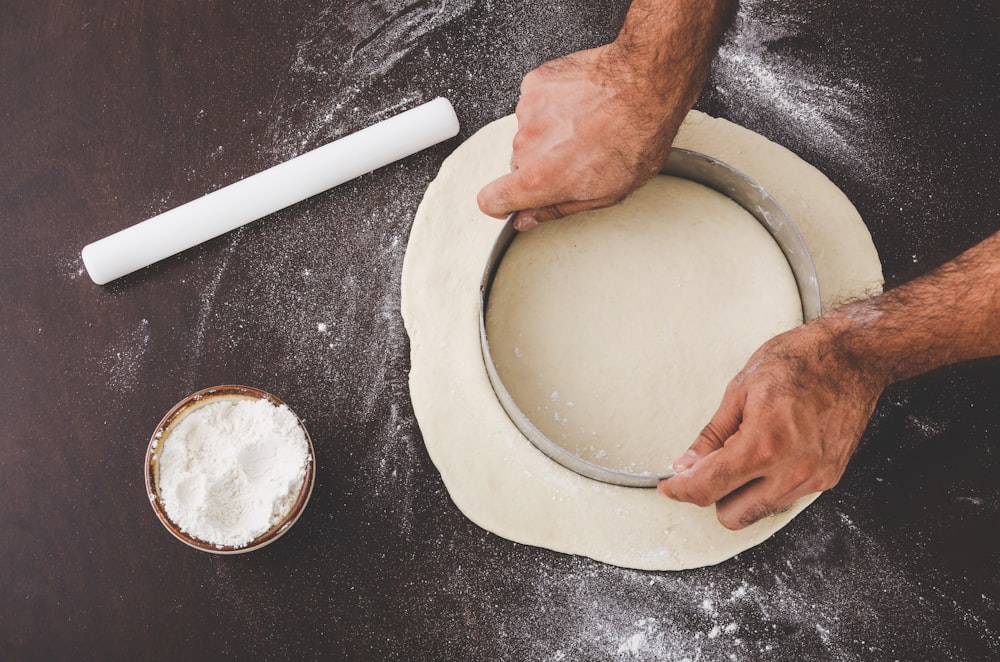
[767,451]
[700,496]
[734,385]
[551,212]
[721,474]
[530,79]
[824,480]
[713,434]
[534,179]
[521,141]
[730,519]
[804,475]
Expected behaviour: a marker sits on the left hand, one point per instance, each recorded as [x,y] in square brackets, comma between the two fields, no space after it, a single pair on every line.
[590,131]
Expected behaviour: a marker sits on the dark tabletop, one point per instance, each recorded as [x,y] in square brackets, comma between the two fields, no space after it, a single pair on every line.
[111,112]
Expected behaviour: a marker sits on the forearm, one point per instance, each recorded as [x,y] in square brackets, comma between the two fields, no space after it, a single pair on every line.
[791,419]
[950,315]
[597,124]
[669,44]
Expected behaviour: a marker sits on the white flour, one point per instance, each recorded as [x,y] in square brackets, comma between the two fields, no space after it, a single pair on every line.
[124,360]
[231,469]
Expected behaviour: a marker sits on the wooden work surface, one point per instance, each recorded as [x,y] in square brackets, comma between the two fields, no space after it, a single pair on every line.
[111,112]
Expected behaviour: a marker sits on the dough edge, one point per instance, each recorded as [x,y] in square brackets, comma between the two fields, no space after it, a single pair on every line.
[494,475]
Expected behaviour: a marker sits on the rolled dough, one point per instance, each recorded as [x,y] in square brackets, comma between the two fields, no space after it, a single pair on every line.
[492,473]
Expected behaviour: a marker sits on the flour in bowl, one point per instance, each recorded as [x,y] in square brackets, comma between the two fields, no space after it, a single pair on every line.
[231,469]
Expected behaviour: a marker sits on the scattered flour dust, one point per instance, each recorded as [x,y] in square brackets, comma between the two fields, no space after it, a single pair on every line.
[343,49]
[124,361]
[807,104]
[231,469]
[700,621]
[340,247]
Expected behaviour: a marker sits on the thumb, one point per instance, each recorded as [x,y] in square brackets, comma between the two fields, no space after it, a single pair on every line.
[496,199]
[529,218]
[517,192]
[723,425]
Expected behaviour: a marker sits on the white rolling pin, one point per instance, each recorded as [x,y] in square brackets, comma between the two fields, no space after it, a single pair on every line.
[266,192]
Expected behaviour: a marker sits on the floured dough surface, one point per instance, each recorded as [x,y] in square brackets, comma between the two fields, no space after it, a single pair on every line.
[493,474]
[617,331]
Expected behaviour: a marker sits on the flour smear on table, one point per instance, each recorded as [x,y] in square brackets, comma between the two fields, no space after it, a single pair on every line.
[570,603]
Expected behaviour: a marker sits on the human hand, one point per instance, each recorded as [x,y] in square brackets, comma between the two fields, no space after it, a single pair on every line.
[787,427]
[591,130]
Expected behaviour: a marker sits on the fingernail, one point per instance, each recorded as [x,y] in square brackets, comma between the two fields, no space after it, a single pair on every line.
[523,223]
[685,462]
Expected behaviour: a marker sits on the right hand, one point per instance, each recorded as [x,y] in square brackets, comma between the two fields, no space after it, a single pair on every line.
[787,427]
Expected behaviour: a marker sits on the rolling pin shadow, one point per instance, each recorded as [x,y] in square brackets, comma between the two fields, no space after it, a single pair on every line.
[266,192]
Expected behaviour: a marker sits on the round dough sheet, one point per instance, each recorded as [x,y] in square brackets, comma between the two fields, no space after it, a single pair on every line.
[492,473]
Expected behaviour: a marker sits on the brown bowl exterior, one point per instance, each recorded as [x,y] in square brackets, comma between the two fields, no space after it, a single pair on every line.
[186,406]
